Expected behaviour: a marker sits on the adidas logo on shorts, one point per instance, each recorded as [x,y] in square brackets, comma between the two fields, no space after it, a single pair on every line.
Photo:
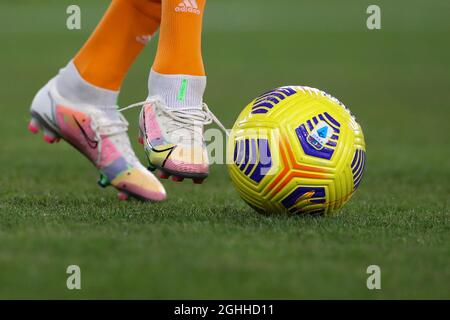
[188,6]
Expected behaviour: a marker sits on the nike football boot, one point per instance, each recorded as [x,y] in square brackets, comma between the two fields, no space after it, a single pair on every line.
[173,139]
[101,135]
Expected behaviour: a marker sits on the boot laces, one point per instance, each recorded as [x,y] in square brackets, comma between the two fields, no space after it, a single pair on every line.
[185,124]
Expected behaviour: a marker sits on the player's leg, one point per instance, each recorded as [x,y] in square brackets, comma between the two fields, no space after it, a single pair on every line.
[172,120]
[121,35]
[79,104]
[180,40]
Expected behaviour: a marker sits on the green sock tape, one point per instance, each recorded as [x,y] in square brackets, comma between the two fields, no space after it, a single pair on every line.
[182,91]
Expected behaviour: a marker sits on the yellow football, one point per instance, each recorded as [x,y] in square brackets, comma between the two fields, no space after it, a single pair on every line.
[298,150]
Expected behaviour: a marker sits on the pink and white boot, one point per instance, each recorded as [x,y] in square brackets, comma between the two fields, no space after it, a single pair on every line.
[98,131]
[171,125]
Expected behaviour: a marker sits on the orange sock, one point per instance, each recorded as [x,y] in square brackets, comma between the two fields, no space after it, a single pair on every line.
[116,42]
[179,46]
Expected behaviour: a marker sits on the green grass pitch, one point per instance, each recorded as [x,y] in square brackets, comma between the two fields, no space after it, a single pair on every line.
[204,242]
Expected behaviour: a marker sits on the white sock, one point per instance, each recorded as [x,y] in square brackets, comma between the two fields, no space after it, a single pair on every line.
[178,91]
[73,87]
